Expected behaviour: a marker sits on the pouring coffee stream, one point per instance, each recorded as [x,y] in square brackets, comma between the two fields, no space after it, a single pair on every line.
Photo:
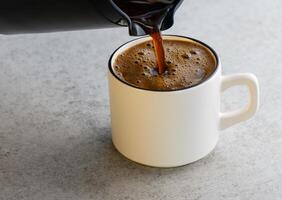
[159,51]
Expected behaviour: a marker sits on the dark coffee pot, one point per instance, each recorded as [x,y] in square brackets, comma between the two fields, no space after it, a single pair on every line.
[38,16]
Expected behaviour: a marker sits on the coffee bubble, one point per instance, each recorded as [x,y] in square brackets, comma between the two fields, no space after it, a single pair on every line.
[154,72]
[193,52]
[185,56]
[146,68]
[199,73]
[120,74]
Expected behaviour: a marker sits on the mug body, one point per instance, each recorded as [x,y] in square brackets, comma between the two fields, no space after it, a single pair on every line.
[164,128]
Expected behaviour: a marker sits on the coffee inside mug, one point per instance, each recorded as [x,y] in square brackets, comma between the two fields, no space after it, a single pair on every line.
[188,63]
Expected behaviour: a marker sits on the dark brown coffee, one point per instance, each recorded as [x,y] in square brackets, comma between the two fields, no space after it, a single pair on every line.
[187,64]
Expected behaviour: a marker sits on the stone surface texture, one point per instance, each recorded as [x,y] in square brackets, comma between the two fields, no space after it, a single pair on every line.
[55,140]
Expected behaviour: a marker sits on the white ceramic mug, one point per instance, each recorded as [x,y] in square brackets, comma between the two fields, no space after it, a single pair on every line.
[173,128]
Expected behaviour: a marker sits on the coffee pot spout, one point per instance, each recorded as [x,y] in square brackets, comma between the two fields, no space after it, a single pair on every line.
[144,17]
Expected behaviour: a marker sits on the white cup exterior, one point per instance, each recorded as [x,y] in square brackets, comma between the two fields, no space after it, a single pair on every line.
[173,128]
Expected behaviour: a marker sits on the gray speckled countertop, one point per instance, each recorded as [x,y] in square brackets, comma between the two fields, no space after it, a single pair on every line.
[55,140]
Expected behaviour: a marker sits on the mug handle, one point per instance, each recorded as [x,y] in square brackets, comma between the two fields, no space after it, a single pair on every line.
[230,118]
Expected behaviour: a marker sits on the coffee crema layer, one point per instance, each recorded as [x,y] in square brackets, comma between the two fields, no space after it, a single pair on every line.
[187,64]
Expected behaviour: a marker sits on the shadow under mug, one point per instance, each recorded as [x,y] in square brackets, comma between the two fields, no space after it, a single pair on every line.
[173,128]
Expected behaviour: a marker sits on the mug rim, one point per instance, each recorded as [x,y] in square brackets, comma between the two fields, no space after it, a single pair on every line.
[166,91]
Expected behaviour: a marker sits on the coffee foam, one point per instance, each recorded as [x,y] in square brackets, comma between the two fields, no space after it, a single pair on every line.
[187,64]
